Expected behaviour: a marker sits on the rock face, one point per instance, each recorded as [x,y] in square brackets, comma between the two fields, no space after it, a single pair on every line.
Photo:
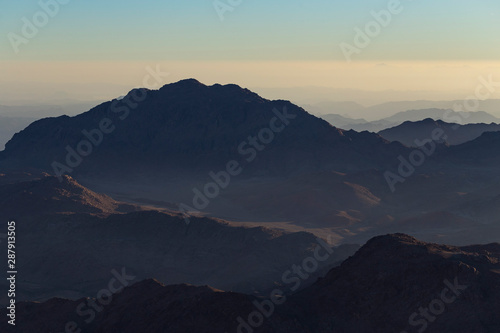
[447,115]
[456,134]
[189,126]
[394,283]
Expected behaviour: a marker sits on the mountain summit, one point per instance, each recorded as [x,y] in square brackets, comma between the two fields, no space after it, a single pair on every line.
[190,126]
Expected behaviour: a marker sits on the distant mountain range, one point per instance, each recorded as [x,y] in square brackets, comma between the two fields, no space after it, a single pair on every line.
[385,110]
[456,134]
[462,117]
[394,283]
[446,115]
[172,147]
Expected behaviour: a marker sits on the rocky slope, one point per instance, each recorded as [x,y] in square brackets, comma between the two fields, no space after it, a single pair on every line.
[73,238]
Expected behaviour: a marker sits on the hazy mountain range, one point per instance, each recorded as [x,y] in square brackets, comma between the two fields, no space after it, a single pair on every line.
[447,115]
[455,134]
[270,185]
[387,109]
[311,176]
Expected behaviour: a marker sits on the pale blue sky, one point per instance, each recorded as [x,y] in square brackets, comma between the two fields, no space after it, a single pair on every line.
[255,30]
[437,48]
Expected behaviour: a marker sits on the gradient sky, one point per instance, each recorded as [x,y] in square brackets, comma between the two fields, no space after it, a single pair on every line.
[112,41]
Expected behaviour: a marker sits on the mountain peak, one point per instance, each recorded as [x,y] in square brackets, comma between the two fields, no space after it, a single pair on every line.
[190,126]
[232,92]
[397,238]
[190,81]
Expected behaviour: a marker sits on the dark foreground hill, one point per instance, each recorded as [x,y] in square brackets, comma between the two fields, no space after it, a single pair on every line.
[394,283]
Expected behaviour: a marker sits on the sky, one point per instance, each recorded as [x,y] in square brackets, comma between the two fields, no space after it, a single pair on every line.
[93,49]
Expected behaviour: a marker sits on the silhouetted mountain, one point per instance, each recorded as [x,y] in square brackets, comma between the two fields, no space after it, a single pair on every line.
[164,150]
[456,134]
[462,117]
[149,306]
[390,109]
[341,121]
[189,126]
[11,125]
[449,116]
[394,283]
[372,126]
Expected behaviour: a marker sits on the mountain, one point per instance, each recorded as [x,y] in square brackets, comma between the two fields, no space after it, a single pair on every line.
[394,283]
[341,121]
[169,146]
[445,115]
[389,109]
[402,284]
[188,126]
[10,126]
[372,126]
[358,125]
[155,308]
[481,151]
[376,112]
[462,117]
[73,239]
[456,134]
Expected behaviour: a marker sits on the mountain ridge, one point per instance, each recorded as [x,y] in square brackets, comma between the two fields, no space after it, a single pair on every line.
[456,134]
[173,117]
